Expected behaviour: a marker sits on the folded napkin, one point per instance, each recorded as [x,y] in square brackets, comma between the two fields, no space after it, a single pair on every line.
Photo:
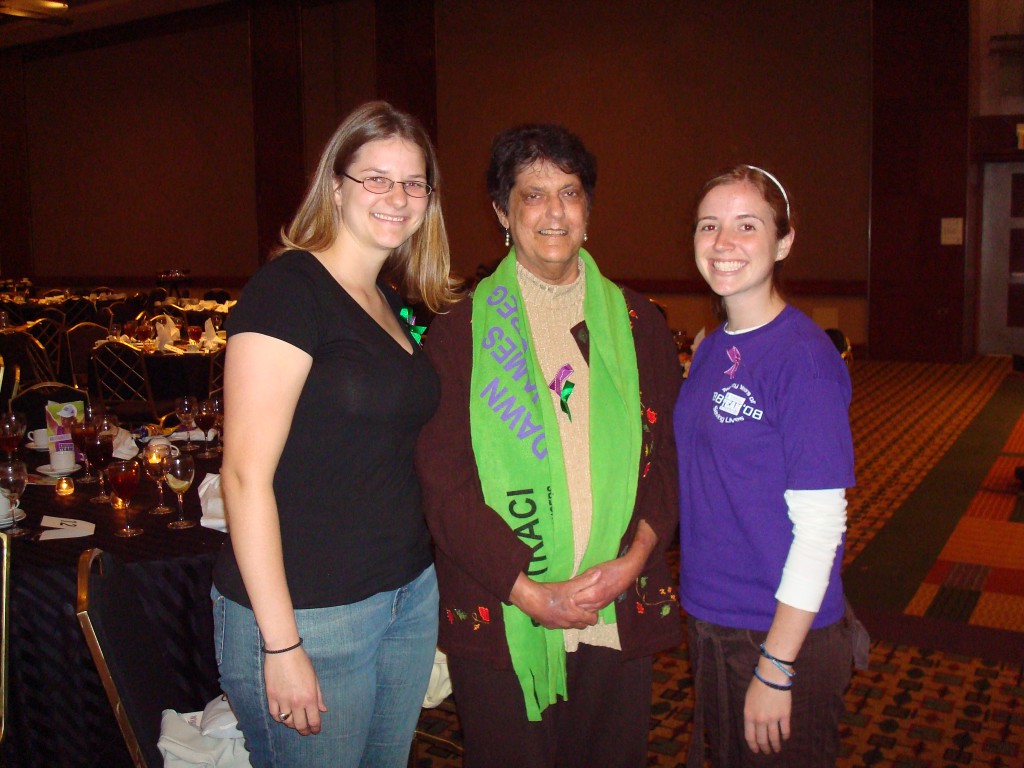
[212,502]
[194,435]
[65,528]
[210,339]
[166,334]
[124,445]
[182,744]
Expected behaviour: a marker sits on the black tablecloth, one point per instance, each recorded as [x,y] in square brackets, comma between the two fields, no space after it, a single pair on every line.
[58,715]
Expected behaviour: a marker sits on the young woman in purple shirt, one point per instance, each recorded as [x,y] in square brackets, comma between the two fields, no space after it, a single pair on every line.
[765,456]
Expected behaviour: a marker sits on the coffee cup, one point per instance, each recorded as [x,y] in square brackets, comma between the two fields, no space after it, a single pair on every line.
[62,460]
[39,437]
[164,441]
[6,513]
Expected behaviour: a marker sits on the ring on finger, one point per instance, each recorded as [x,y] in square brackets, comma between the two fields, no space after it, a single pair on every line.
[284,716]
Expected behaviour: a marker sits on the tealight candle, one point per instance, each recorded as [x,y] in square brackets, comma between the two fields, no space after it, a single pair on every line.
[65,486]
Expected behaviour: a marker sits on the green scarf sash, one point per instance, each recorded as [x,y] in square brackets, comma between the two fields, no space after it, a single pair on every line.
[514,430]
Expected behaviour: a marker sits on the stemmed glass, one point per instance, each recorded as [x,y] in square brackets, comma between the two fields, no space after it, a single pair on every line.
[218,409]
[100,450]
[13,477]
[206,419]
[155,457]
[180,472]
[185,407]
[12,432]
[81,433]
[124,479]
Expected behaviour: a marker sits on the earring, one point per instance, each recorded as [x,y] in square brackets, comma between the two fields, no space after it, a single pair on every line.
[584,237]
[508,239]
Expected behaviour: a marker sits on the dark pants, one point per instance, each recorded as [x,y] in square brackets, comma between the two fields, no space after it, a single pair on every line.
[604,722]
[723,661]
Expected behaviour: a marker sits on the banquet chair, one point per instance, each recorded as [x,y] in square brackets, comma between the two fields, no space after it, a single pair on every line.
[21,348]
[5,601]
[57,315]
[79,341]
[219,295]
[217,371]
[842,344]
[10,381]
[47,332]
[156,297]
[78,309]
[32,400]
[126,649]
[121,383]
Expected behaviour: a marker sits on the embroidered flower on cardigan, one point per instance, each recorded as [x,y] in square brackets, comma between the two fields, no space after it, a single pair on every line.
[479,617]
[666,600]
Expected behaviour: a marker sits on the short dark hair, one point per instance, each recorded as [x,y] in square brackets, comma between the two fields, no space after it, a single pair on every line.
[517,148]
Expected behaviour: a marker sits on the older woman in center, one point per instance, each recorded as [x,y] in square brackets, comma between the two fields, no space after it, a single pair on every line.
[549,481]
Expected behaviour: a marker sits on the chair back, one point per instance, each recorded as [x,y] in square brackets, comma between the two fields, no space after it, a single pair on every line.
[57,315]
[220,295]
[47,332]
[32,400]
[217,371]
[5,604]
[79,341]
[10,381]
[125,648]
[78,309]
[122,382]
[22,349]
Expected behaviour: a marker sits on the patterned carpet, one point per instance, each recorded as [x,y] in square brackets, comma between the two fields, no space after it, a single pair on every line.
[914,707]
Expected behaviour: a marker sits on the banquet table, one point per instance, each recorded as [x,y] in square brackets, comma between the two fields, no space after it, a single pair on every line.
[172,375]
[58,715]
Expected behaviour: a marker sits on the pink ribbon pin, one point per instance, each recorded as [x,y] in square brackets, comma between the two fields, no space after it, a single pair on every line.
[734,356]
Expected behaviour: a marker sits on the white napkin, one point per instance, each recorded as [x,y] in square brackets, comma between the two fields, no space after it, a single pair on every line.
[124,445]
[166,335]
[212,502]
[195,435]
[182,744]
[210,339]
[65,528]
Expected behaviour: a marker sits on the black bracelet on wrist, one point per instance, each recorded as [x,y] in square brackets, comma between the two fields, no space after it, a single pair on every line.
[264,648]
[770,684]
[764,652]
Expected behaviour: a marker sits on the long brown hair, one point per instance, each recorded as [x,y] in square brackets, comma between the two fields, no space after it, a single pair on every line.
[421,266]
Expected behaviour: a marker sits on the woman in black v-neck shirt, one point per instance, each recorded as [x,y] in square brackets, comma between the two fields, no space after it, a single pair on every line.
[325,599]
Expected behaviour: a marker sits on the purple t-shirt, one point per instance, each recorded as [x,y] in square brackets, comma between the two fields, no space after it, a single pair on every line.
[761,413]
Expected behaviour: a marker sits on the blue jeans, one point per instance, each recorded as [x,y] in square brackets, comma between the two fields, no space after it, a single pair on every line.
[373,660]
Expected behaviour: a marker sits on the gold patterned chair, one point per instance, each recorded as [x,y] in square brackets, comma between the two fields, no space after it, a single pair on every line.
[121,383]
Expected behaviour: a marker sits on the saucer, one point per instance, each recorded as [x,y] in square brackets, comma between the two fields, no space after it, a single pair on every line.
[32,446]
[46,469]
[19,515]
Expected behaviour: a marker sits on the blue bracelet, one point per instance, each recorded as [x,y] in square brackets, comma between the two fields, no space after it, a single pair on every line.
[774,686]
[779,663]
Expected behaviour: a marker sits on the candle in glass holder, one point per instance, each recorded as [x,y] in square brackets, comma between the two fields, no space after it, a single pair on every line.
[65,486]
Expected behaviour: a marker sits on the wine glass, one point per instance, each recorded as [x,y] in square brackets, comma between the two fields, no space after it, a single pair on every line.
[124,479]
[218,409]
[12,432]
[180,472]
[13,477]
[81,433]
[185,407]
[206,419]
[195,333]
[100,451]
[155,457]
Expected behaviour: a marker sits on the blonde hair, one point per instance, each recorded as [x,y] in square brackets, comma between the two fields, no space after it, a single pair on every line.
[421,266]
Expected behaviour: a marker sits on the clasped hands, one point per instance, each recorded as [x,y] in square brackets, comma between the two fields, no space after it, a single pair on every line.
[574,604]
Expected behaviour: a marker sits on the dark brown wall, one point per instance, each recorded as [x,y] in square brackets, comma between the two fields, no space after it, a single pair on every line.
[919,308]
[666,94]
[142,152]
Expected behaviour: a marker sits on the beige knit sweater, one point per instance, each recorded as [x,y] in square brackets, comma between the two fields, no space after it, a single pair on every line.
[552,311]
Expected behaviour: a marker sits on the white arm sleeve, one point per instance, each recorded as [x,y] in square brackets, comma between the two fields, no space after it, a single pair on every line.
[819,521]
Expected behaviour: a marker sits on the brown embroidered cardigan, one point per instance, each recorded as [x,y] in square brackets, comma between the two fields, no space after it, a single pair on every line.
[478,557]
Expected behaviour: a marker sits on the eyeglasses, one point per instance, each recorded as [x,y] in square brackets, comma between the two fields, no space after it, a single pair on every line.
[380,185]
